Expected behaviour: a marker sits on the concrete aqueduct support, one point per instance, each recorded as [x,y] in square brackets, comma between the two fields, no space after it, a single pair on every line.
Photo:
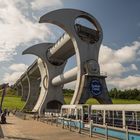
[33,77]
[42,69]
[19,88]
[50,97]
[28,86]
[82,41]
[25,88]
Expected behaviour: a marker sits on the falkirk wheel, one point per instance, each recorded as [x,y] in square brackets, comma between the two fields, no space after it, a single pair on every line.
[78,40]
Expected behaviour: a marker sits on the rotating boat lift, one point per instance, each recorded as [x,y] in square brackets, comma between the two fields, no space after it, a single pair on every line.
[78,40]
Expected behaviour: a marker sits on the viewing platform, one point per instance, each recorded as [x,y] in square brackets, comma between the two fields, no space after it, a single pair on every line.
[19,129]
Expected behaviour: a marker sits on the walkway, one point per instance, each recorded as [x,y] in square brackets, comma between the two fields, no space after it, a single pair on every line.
[18,129]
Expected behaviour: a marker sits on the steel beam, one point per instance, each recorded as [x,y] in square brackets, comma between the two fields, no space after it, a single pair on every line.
[66,77]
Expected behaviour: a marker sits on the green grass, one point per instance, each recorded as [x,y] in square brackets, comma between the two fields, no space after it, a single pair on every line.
[15,102]
[67,99]
[125,101]
[115,101]
[12,103]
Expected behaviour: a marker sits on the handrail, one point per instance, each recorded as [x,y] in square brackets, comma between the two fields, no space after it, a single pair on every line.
[79,127]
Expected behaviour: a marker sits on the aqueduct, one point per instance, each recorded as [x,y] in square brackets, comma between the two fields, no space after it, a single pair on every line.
[41,85]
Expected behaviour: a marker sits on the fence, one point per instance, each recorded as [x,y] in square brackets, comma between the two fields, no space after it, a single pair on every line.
[24,116]
[74,125]
[80,127]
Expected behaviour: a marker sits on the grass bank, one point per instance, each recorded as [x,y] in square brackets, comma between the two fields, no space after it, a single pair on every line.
[12,102]
[115,101]
[15,102]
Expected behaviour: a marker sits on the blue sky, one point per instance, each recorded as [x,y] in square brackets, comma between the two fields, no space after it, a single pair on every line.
[119,53]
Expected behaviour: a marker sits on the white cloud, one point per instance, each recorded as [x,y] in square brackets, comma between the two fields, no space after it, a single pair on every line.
[127,53]
[17,71]
[19,27]
[129,82]
[39,4]
[112,61]
[122,55]
[12,78]
[118,62]
[16,29]
[113,69]
[70,85]
[133,67]
[106,54]
[18,67]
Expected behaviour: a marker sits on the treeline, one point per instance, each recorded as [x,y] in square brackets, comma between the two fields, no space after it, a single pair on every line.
[125,94]
[9,92]
[132,94]
[68,92]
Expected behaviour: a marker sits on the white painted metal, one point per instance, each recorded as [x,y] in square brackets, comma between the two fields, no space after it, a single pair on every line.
[43,90]
[65,77]
[72,106]
[117,107]
[56,49]
[123,119]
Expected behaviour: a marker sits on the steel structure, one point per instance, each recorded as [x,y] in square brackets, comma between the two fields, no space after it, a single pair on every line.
[78,40]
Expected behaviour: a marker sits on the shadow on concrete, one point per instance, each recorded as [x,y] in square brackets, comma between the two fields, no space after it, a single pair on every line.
[10,123]
[6,123]
[19,138]
[1,133]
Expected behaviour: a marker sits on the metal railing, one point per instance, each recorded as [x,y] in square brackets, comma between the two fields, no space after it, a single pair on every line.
[80,127]
[23,115]
[74,125]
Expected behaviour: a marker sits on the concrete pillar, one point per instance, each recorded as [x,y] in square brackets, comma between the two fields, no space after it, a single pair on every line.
[19,89]
[42,85]
[95,88]
[49,94]
[25,87]
[34,89]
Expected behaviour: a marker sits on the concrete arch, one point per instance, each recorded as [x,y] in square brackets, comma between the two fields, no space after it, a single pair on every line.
[19,89]
[25,87]
[28,86]
[42,95]
[34,88]
[48,70]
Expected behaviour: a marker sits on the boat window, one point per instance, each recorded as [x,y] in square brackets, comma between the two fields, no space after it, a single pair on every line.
[132,120]
[97,116]
[86,113]
[113,118]
[79,114]
[64,113]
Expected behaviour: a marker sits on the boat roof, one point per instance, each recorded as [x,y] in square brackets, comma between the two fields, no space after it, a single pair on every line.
[118,107]
[73,106]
